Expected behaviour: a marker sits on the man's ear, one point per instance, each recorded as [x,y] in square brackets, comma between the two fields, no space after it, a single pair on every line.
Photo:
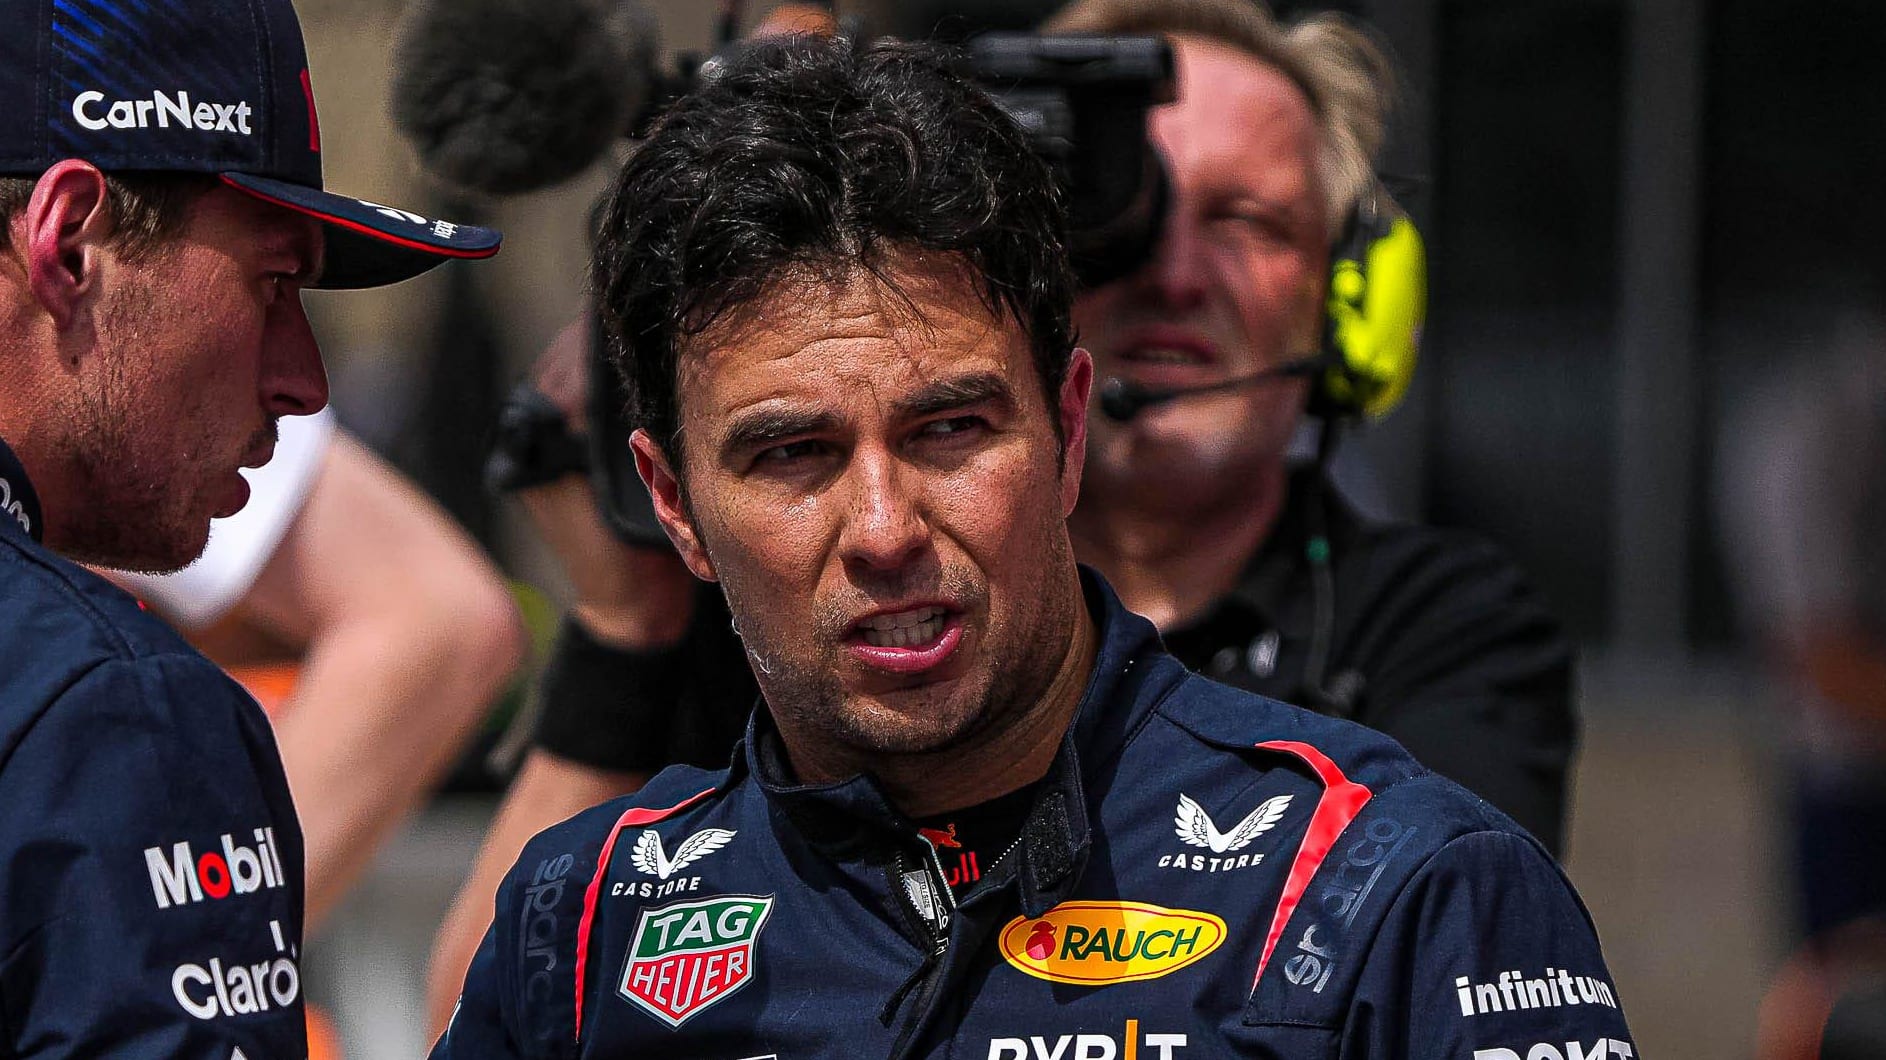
[664,487]
[1076,388]
[65,227]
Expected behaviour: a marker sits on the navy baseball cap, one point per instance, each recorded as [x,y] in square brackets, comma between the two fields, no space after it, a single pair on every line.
[199,86]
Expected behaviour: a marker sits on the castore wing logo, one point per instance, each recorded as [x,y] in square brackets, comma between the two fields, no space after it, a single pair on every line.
[649,856]
[1195,826]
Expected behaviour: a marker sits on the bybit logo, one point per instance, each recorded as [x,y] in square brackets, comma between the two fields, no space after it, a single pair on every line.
[164,109]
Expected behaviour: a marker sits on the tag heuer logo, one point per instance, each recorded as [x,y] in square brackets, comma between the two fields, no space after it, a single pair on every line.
[1193,825]
[649,857]
[689,955]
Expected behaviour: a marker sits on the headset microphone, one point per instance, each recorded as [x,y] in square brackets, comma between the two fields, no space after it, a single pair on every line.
[1121,400]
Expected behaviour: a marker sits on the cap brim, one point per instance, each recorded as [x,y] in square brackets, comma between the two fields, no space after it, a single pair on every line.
[370,245]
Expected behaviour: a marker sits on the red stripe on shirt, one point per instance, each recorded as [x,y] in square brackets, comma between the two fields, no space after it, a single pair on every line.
[1341,801]
[633,817]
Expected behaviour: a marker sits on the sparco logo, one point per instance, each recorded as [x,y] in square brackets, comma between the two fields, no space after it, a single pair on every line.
[180,878]
[537,924]
[90,110]
[1341,899]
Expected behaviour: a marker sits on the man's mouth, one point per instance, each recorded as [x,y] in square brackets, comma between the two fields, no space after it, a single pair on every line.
[1164,355]
[903,629]
[907,642]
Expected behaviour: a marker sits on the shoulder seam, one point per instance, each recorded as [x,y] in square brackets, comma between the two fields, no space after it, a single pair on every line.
[63,584]
[65,689]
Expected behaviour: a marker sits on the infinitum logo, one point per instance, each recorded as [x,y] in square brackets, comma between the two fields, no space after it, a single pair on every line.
[90,110]
[181,878]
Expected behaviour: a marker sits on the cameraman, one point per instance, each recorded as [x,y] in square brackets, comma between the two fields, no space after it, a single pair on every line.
[1252,571]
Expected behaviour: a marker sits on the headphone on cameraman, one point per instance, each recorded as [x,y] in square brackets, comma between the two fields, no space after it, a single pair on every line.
[1377,303]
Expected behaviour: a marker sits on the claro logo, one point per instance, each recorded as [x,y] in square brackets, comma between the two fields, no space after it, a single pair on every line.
[180,878]
[90,110]
[1098,943]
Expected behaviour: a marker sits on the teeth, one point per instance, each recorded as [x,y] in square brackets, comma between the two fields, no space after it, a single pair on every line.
[903,630]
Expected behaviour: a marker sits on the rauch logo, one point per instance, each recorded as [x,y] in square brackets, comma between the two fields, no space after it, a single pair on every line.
[180,878]
[690,955]
[1098,943]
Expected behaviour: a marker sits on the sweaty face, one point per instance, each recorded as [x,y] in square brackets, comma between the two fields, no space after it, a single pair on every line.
[1235,287]
[876,480]
[200,348]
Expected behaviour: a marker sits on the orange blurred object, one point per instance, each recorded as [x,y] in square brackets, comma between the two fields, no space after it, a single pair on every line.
[324,1043]
[270,683]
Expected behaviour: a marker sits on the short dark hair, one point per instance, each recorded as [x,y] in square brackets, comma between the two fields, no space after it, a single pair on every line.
[807,153]
[148,208]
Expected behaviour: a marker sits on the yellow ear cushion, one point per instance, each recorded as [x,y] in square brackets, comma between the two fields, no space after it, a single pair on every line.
[1375,319]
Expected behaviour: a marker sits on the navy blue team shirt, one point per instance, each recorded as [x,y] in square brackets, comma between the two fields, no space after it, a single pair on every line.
[150,864]
[1203,872]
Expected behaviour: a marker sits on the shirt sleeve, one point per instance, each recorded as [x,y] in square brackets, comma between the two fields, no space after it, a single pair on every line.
[151,889]
[478,1027]
[521,995]
[1488,953]
[242,544]
[1470,672]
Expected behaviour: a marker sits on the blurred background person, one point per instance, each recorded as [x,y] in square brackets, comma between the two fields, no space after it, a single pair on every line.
[1802,494]
[1258,575]
[372,629]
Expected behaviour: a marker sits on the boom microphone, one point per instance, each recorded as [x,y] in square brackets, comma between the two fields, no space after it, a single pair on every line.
[508,96]
[1121,400]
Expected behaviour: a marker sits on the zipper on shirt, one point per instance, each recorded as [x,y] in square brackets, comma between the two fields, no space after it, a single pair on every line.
[923,981]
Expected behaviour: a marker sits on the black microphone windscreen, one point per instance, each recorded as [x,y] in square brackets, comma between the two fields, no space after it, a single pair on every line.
[1120,400]
[508,96]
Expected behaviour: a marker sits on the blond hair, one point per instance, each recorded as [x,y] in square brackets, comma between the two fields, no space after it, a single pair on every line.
[1340,68]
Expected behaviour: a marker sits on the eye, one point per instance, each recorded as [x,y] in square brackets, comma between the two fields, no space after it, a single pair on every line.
[951,427]
[789,453]
[1253,221]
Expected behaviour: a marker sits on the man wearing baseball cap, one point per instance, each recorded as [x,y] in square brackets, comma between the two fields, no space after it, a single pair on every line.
[161,210]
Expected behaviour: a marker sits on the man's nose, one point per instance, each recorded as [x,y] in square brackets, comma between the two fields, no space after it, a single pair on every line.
[294,381]
[1176,275]
[884,529]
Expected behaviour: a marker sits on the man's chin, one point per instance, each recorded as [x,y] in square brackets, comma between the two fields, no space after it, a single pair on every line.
[915,721]
[142,547]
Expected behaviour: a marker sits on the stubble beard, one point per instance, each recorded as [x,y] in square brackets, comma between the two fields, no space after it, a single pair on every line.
[137,510]
[807,697]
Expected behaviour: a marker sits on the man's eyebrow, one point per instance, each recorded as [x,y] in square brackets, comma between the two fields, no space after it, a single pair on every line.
[764,428]
[946,394]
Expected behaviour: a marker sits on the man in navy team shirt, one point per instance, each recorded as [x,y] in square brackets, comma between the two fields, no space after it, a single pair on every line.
[161,211]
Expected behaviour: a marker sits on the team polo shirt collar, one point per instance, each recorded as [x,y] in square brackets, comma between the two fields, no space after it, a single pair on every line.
[19,503]
[848,819]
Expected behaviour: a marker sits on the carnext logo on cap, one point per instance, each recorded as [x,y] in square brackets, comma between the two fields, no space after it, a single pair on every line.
[91,111]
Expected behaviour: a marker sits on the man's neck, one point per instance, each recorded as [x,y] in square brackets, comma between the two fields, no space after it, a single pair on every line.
[1007,757]
[1170,566]
[1013,758]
